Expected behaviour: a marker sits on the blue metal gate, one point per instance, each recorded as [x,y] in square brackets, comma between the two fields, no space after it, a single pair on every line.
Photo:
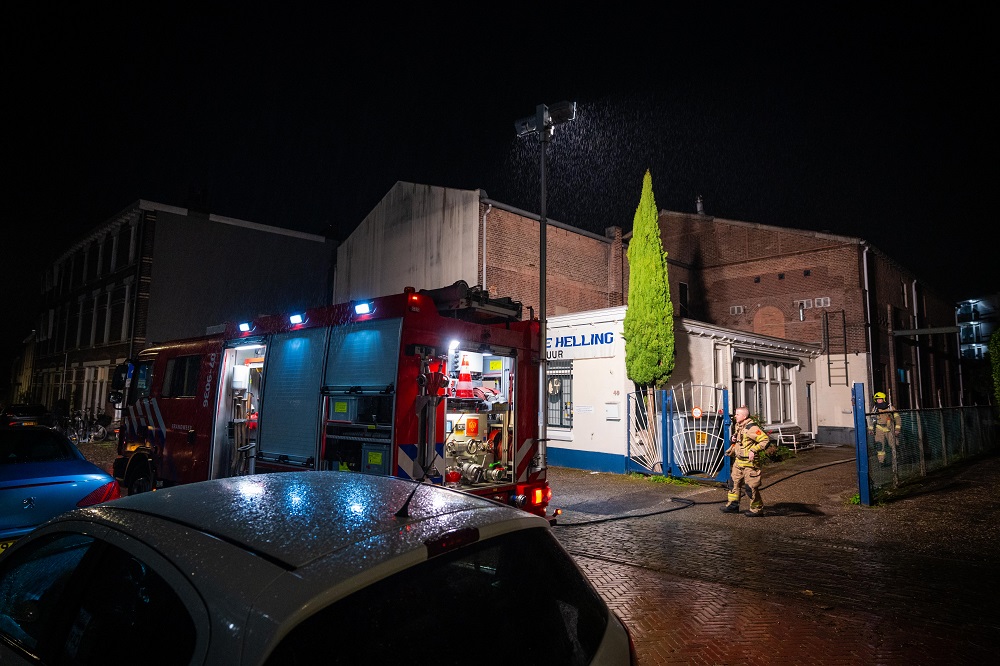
[695,421]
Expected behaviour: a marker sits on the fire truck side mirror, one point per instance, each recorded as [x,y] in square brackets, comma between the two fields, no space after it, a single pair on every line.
[119,378]
[115,397]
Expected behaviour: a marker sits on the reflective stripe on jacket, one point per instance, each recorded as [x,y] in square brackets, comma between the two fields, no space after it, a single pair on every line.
[886,418]
[749,438]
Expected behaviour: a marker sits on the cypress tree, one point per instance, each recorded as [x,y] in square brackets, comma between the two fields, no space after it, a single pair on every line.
[649,319]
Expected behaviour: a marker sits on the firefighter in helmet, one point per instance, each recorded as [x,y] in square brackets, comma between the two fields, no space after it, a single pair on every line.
[884,426]
[748,444]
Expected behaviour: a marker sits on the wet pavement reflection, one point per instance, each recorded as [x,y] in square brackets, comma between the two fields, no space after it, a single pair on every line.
[818,580]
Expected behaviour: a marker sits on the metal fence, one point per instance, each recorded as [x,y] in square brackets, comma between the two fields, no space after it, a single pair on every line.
[691,420]
[929,440]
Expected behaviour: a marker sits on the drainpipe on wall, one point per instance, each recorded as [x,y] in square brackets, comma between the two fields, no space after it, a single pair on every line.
[489,207]
[891,389]
[958,346]
[918,403]
[868,321]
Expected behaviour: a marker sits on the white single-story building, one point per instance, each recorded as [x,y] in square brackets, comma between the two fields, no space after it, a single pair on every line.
[593,422]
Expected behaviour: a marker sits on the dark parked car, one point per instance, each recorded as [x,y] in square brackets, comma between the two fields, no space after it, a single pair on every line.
[43,474]
[302,568]
[27,415]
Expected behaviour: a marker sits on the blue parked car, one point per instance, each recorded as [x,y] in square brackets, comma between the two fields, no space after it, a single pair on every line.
[43,474]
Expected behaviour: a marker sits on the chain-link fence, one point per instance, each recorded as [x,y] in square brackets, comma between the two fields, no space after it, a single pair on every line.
[928,439]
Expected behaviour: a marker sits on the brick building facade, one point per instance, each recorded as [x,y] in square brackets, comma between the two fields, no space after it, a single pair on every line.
[585,271]
[818,288]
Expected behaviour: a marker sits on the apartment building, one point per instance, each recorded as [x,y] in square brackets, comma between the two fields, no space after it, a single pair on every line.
[154,272]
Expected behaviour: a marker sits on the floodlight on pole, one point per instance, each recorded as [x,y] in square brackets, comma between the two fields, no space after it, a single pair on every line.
[543,123]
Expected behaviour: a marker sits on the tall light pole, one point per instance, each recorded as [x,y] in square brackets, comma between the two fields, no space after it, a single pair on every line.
[544,123]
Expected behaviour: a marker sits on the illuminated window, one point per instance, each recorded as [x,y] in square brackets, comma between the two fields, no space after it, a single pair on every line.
[765,386]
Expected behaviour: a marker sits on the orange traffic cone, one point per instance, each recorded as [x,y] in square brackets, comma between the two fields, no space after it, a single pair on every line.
[464,387]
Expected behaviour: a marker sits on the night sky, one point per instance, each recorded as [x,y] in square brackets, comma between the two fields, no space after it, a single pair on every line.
[861,120]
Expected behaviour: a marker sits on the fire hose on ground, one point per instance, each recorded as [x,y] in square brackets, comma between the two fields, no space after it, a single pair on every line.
[689,503]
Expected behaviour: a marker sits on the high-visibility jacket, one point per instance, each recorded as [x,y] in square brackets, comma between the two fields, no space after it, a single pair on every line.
[885,419]
[749,438]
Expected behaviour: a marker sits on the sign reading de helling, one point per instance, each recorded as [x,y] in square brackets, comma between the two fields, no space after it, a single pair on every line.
[582,342]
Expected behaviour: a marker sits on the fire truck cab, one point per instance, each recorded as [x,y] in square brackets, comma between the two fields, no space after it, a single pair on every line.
[432,385]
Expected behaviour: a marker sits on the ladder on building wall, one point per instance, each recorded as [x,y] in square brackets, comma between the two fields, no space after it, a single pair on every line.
[835,344]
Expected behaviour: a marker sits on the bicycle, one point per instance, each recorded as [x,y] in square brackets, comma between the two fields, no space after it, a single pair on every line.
[73,426]
[96,426]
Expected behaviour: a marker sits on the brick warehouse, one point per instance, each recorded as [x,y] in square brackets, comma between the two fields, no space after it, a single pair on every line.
[837,292]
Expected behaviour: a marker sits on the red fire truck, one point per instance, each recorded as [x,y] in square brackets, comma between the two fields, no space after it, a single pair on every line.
[432,385]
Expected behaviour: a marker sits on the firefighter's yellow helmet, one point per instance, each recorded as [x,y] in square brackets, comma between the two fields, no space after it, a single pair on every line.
[880,396]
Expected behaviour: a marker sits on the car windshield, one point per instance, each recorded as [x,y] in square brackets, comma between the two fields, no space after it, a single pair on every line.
[531,598]
[22,445]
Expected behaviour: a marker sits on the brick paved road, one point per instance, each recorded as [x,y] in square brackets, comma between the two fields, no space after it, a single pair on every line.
[818,581]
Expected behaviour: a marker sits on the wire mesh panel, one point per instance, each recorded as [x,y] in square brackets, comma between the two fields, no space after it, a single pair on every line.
[928,440]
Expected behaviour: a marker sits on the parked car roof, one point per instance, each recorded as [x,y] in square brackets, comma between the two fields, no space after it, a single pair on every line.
[329,566]
[267,513]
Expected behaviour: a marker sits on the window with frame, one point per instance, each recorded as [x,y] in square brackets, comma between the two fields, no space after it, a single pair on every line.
[142,378]
[87,307]
[123,248]
[93,261]
[79,262]
[559,394]
[119,297]
[107,253]
[180,378]
[765,387]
